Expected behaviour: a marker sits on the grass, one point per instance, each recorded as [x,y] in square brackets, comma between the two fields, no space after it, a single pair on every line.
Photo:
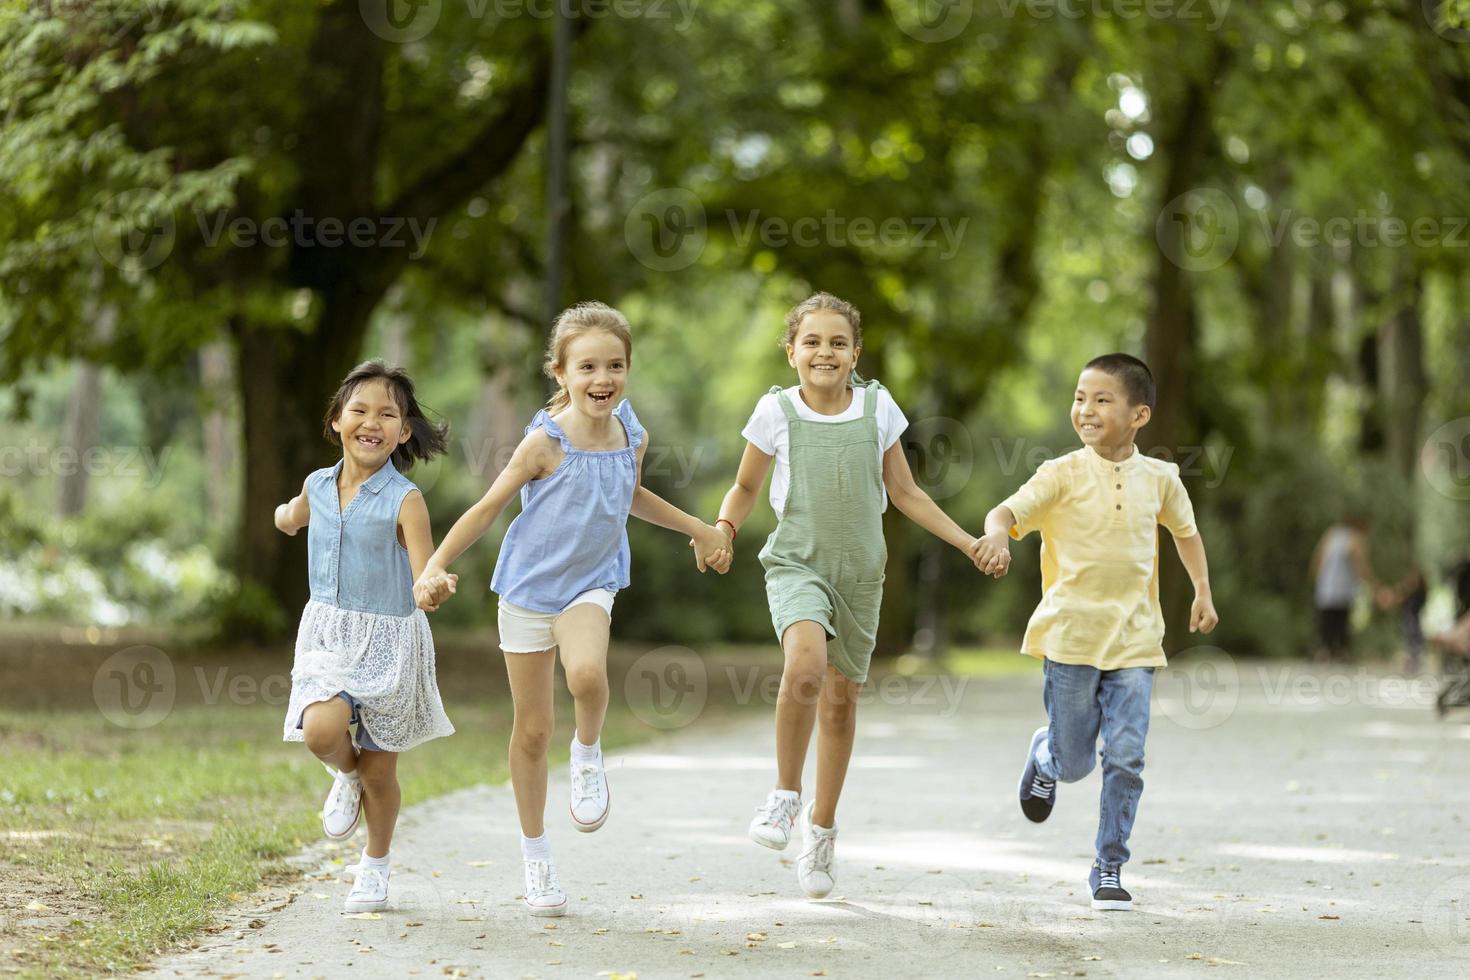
[988,662]
[122,843]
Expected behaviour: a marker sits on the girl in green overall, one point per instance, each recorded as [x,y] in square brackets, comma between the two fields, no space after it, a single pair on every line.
[838,460]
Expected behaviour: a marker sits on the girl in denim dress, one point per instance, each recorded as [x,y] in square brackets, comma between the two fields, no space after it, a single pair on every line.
[562,561]
[364,654]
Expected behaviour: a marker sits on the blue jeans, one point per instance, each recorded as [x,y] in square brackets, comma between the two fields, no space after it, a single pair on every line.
[1081,703]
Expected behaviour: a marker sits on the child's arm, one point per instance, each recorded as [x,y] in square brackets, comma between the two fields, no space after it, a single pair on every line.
[741,498]
[992,551]
[918,506]
[413,529]
[536,457]
[295,513]
[710,546]
[1202,616]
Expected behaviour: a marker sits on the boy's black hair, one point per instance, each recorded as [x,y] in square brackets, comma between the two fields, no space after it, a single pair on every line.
[1138,380]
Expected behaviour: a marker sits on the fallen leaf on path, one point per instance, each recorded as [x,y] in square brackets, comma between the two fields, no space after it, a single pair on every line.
[729,952]
[257,923]
[1332,918]
[786,945]
[549,925]
[599,932]
[756,937]
[486,864]
[1092,958]
[36,906]
[356,915]
[411,925]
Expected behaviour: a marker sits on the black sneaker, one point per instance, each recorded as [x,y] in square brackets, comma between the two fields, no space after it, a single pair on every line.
[1037,794]
[1108,894]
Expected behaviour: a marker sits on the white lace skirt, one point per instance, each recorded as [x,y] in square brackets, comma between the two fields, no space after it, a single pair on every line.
[385,662]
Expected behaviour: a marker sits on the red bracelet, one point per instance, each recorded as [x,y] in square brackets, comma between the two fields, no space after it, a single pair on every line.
[733,533]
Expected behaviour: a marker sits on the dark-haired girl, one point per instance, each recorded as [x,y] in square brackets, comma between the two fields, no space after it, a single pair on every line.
[364,654]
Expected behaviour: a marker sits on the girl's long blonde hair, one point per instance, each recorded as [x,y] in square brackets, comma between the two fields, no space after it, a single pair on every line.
[573,322]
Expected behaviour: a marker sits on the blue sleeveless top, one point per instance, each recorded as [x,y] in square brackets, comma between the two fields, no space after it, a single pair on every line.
[571,535]
[354,558]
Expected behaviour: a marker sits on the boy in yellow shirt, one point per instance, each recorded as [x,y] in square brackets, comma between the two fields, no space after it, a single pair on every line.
[1099,629]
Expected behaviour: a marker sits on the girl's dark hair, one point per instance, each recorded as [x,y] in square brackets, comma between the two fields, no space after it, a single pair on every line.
[426,440]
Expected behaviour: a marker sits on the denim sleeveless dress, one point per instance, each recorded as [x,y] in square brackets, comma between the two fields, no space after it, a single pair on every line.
[571,535]
[361,634]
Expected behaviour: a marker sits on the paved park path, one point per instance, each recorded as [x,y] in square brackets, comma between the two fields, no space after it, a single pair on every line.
[1294,823]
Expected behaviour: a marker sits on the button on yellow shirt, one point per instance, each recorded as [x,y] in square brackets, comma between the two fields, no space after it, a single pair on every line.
[1100,556]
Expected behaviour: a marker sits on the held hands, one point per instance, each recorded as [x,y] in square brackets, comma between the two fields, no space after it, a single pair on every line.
[991,553]
[1202,616]
[712,549]
[433,587]
[283,520]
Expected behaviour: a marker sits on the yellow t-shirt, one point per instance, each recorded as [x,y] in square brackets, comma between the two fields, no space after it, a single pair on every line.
[1100,556]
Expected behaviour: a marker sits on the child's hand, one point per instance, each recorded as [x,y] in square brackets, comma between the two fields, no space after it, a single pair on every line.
[1202,616]
[992,553]
[432,588]
[712,549]
[283,518]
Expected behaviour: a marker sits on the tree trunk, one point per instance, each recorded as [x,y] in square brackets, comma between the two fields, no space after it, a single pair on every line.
[221,434]
[1404,378]
[1170,341]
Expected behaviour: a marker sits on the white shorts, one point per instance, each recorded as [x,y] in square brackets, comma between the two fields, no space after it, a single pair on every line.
[527,631]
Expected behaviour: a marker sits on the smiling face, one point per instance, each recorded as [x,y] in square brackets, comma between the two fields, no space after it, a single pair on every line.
[594,372]
[1101,414]
[371,424]
[823,351]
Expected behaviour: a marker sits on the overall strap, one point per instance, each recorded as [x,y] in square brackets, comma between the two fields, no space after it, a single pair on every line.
[784,402]
[870,399]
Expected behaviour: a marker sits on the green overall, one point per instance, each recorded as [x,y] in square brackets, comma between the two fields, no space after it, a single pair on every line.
[824,562]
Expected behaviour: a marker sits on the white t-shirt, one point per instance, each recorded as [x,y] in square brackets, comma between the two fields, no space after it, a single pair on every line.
[767,431]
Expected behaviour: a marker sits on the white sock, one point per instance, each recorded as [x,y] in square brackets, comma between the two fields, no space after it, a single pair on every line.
[535,848]
[585,753]
[788,794]
[381,862]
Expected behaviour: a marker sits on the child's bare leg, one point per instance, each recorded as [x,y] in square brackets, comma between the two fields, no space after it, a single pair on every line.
[324,730]
[531,678]
[837,721]
[582,636]
[379,772]
[805,646]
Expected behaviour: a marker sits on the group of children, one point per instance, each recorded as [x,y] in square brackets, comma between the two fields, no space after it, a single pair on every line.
[363,687]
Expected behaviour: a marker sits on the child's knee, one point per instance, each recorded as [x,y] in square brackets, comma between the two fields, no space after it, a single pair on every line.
[378,782]
[531,736]
[1128,759]
[584,679]
[323,737]
[837,712]
[1072,770]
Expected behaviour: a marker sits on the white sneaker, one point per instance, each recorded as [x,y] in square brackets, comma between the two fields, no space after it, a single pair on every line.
[590,797]
[342,810]
[774,820]
[370,890]
[543,890]
[814,867]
